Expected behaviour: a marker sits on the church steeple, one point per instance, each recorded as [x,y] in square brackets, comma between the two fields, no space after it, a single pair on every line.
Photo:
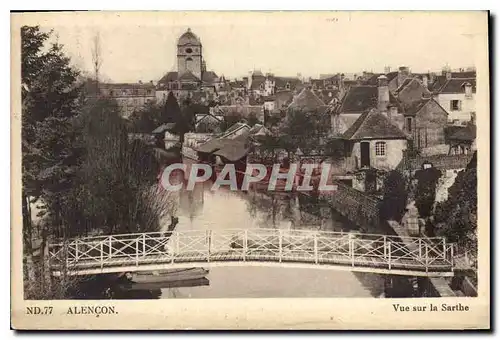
[189,55]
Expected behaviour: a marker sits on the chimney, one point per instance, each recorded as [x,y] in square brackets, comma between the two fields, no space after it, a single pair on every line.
[383,94]
[432,77]
[387,69]
[403,73]
[425,81]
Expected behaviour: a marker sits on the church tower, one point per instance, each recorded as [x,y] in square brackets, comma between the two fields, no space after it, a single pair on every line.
[189,57]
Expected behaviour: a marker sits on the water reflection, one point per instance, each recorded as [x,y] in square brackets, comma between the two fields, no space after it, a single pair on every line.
[224,209]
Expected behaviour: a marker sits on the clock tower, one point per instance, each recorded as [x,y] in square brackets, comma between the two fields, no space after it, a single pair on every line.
[189,57]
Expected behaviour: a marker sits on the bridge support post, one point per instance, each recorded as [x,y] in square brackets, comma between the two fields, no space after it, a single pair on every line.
[316,248]
[389,251]
[110,248]
[426,257]
[451,259]
[76,250]
[137,251]
[351,249]
[280,244]
[102,256]
[209,237]
[444,248]
[385,247]
[245,245]
[143,245]
[420,249]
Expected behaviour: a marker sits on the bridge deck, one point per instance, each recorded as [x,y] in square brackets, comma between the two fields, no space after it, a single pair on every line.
[355,252]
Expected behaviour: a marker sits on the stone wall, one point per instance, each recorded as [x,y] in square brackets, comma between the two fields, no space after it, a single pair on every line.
[442,162]
[359,207]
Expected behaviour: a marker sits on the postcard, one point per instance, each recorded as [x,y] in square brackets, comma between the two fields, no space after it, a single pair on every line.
[250,170]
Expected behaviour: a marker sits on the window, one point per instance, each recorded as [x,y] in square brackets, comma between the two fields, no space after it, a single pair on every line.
[380,149]
[408,124]
[287,86]
[468,90]
[455,105]
[189,50]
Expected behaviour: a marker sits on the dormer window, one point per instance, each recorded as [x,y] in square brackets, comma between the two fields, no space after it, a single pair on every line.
[468,90]
[287,86]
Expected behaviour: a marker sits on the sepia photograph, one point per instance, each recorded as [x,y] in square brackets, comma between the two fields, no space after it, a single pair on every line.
[219,156]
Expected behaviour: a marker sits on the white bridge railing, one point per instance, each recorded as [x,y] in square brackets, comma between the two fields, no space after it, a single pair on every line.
[428,256]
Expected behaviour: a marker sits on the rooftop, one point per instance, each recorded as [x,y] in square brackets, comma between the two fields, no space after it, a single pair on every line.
[373,125]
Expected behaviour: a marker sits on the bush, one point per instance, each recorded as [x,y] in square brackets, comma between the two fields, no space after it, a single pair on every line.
[393,204]
[426,190]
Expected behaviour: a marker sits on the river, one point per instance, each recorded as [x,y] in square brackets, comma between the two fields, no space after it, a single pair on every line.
[223,209]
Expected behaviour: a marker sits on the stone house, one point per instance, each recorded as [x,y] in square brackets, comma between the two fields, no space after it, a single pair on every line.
[374,141]
[425,121]
[362,98]
[457,97]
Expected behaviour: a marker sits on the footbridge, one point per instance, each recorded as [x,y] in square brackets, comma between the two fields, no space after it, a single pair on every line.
[358,252]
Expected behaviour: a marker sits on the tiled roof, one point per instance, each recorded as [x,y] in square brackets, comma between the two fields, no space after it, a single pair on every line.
[306,99]
[460,133]
[416,106]
[257,82]
[327,95]
[164,127]
[391,75]
[457,85]
[259,130]
[373,80]
[280,82]
[209,76]
[238,84]
[437,84]
[406,82]
[235,127]
[465,74]
[359,99]
[126,85]
[373,125]
[170,76]
[188,77]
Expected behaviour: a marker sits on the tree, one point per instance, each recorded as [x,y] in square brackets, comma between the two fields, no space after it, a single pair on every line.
[456,218]
[252,119]
[171,110]
[96,58]
[147,118]
[393,204]
[51,99]
[425,195]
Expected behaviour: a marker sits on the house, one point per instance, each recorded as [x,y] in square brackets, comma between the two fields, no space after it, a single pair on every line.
[412,90]
[307,100]
[362,98]
[374,141]
[129,96]
[457,97]
[396,80]
[461,139]
[425,121]
[240,109]
[208,123]
[165,135]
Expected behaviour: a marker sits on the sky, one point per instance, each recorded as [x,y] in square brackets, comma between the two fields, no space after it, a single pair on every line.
[142,46]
